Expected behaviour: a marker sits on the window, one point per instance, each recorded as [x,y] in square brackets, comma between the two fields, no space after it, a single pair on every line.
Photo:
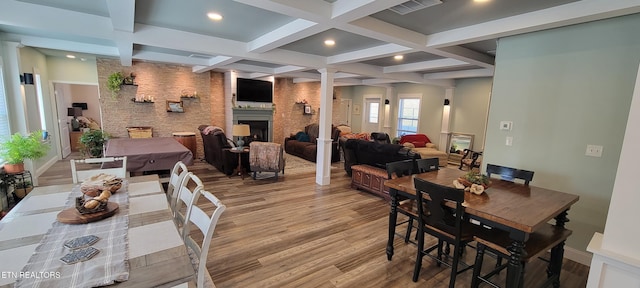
[374,108]
[408,115]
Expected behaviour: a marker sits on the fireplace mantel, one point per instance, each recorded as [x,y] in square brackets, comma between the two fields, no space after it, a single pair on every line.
[255,114]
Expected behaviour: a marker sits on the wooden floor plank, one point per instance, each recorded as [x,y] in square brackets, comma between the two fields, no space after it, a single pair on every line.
[295,233]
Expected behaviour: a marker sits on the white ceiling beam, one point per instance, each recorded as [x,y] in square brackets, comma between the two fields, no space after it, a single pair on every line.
[56,44]
[122,13]
[425,65]
[312,10]
[249,68]
[376,72]
[378,81]
[168,58]
[47,20]
[472,73]
[368,54]
[567,14]
[341,75]
[289,69]
[290,32]
[349,10]
[124,42]
[197,43]
[216,62]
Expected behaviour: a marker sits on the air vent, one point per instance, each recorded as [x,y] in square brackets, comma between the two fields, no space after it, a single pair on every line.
[201,56]
[413,5]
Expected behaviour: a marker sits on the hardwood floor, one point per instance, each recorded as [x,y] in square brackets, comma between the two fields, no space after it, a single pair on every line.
[294,233]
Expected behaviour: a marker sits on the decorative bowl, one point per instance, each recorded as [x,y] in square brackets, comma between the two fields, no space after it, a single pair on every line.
[466,183]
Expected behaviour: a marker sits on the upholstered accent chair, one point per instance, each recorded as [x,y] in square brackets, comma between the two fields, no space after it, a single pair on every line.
[266,157]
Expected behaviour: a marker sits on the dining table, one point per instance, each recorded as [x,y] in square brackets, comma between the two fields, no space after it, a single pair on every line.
[147,154]
[154,252]
[513,207]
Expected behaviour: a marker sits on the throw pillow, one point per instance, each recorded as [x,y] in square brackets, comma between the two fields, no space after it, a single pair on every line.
[302,137]
[408,145]
[419,144]
[430,145]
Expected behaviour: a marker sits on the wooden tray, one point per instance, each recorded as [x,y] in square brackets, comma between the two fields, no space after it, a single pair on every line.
[72,216]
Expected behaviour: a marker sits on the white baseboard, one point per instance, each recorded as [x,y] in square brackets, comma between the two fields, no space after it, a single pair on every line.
[579,256]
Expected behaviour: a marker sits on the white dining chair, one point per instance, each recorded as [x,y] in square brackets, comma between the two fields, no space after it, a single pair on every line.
[81,175]
[207,225]
[185,195]
[178,173]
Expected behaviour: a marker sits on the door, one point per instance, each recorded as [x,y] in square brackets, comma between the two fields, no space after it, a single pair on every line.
[345,112]
[371,121]
[63,122]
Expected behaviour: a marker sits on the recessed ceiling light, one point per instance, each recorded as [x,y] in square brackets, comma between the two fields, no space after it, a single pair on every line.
[83,59]
[481,1]
[71,56]
[398,57]
[214,16]
[329,42]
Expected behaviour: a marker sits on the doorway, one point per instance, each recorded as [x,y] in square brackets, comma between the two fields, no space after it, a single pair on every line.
[84,100]
[372,112]
[345,112]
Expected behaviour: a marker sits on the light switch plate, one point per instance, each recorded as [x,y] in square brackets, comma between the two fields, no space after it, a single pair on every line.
[594,151]
[509,141]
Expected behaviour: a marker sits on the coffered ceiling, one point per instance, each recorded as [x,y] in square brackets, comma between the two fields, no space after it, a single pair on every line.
[440,41]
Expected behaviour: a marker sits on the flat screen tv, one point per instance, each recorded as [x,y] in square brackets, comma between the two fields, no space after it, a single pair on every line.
[254,90]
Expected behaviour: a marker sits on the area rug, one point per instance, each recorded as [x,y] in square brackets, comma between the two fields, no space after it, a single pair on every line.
[296,165]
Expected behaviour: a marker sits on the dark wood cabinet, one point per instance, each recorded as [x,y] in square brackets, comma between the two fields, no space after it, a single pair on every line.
[370,179]
[74,138]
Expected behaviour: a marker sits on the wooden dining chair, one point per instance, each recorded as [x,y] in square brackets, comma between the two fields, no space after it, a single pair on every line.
[470,159]
[405,206]
[81,175]
[186,190]
[427,164]
[196,216]
[442,222]
[498,242]
[509,174]
[178,173]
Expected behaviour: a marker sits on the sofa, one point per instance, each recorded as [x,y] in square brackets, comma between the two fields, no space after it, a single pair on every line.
[304,143]
[216,150]
[358,151]
[420,143]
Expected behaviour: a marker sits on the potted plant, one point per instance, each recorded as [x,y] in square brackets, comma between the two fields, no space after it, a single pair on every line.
[93,142]
[114,82]
[17,147]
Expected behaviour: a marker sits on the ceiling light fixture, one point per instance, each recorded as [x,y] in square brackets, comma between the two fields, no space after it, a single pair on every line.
[329,42]
[214,16]
[481,1]
[71,56]
[398,57]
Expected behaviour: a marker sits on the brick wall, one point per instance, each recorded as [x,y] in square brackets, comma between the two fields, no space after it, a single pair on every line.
[162,82]
[166,82]
[290,114]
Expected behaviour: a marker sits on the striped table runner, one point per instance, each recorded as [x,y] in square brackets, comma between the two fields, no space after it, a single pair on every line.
[110,265]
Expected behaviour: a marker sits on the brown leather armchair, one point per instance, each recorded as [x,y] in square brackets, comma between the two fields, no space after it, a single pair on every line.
[216,150]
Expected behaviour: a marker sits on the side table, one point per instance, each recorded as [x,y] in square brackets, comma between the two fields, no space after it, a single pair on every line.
[240,170]
[187,139]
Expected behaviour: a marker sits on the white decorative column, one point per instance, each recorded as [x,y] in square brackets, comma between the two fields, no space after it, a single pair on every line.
[229,95]
[446,117]
[616,257]
[323,163]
